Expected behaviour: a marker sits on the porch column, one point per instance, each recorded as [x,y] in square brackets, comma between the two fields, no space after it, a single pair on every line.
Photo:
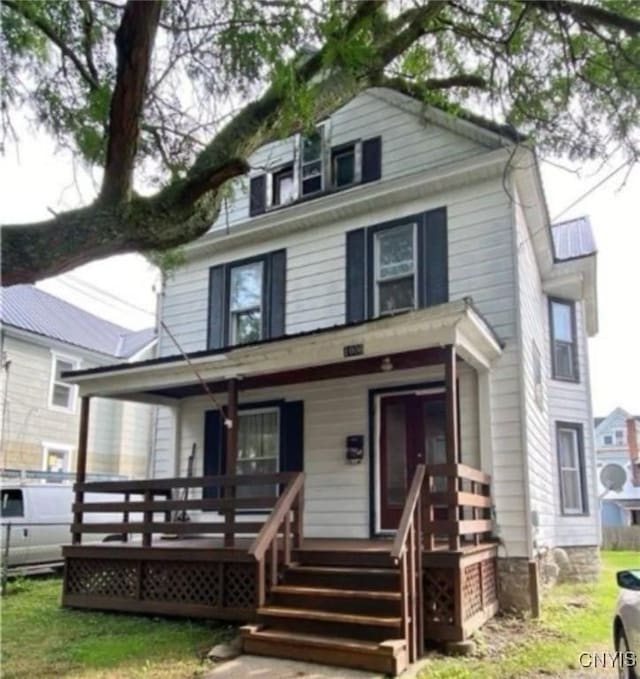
[81,464]
[232,456]
[451,435]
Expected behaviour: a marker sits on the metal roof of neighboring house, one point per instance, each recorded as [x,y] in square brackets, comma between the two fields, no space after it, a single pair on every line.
[28,308]
[573,239]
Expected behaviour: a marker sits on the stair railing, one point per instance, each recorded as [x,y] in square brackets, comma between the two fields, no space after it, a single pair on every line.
[280,521]
[406,553]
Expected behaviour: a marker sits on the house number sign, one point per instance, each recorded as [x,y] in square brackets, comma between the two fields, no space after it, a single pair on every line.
[353,350]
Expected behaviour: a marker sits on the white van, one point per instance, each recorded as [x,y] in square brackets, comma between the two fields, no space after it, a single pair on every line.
[40,517]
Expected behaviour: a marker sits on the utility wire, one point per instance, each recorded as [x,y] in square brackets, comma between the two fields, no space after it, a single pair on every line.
[591,190]
[227,422]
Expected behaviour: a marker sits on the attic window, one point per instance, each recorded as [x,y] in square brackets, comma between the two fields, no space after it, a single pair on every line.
[343,165]
[283,186]
[311,163]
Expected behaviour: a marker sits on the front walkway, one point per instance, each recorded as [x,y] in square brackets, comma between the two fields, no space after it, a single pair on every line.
[261,667]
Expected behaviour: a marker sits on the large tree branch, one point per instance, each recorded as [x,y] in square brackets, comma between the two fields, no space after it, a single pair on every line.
[134,46]
[186,208]
[591,14]
[25,10]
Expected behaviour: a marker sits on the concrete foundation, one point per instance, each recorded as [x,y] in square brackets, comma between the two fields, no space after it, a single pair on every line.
[561,564]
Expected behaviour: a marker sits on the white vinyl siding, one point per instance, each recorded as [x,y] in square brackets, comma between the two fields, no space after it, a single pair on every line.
[547,402]
[337,493]
[119,432]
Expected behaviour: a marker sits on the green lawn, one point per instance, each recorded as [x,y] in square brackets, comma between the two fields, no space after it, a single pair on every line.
[575,619]
[40,639]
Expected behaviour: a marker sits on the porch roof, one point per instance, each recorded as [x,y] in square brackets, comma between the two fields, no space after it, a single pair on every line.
[409,339]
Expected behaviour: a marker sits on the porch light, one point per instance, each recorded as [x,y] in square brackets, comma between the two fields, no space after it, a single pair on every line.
[386,365]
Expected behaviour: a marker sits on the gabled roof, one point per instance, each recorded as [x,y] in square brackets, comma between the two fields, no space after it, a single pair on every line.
[573,239]
[602,424]
[28,308]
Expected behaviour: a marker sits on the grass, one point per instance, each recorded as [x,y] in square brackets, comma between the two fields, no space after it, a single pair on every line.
[40,639]
[575,619]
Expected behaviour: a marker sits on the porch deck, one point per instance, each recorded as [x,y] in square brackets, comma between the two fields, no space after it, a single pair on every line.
[434,579]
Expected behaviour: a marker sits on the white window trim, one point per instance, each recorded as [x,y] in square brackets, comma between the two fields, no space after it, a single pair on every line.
[376,270]
[48,446]
[262,411]
[55,356]
[577,470]
[324,149]
[234,312]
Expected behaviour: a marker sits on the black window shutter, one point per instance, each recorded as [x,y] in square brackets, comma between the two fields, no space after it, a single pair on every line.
[257,195]
[292,436]
[371,159]
[277,291]
[433,258]
[356,271]
[214,454]
[217,307]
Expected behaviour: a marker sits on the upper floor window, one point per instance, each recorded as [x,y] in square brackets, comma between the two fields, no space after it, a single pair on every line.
[619,437]
[245,305]
[311,166]
[247,300]
[343,166]
[395,269]
[283,187]
[62,395]
[570,445]
[564,349]
[317,168]
[397,265]
[607,440]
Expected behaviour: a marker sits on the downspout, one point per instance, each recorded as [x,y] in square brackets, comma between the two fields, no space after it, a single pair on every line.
[521,378]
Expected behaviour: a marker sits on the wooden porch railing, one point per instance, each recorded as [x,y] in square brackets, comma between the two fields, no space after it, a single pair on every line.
[407,553]
[290,502]
[466,504]
[157,497]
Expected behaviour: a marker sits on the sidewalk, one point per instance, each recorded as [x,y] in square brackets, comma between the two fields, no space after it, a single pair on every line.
[261,667]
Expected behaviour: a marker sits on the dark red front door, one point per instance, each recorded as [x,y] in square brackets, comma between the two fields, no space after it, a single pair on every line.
[412,431]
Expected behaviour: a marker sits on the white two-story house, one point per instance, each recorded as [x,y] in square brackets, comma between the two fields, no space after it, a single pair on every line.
[381,298]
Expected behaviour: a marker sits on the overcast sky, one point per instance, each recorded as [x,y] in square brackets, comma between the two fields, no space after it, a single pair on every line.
[36,178]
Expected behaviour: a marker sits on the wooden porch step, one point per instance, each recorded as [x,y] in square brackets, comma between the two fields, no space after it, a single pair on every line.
[389,657]
[331,623]
[329,591]
[330,616]
[343,577]
[362,558]
[339,600]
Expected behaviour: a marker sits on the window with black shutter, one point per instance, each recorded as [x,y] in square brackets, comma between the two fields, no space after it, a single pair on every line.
[270,439]
[398,265]
[247,300]
[318,170]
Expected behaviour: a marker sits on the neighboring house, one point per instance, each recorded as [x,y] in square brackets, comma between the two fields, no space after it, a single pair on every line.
[41,337]
[618,459]
[384,293]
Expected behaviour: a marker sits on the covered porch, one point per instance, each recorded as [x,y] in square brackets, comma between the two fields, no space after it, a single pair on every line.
[238,546]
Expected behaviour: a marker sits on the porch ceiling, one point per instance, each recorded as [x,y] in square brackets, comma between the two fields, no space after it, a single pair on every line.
[409,339]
